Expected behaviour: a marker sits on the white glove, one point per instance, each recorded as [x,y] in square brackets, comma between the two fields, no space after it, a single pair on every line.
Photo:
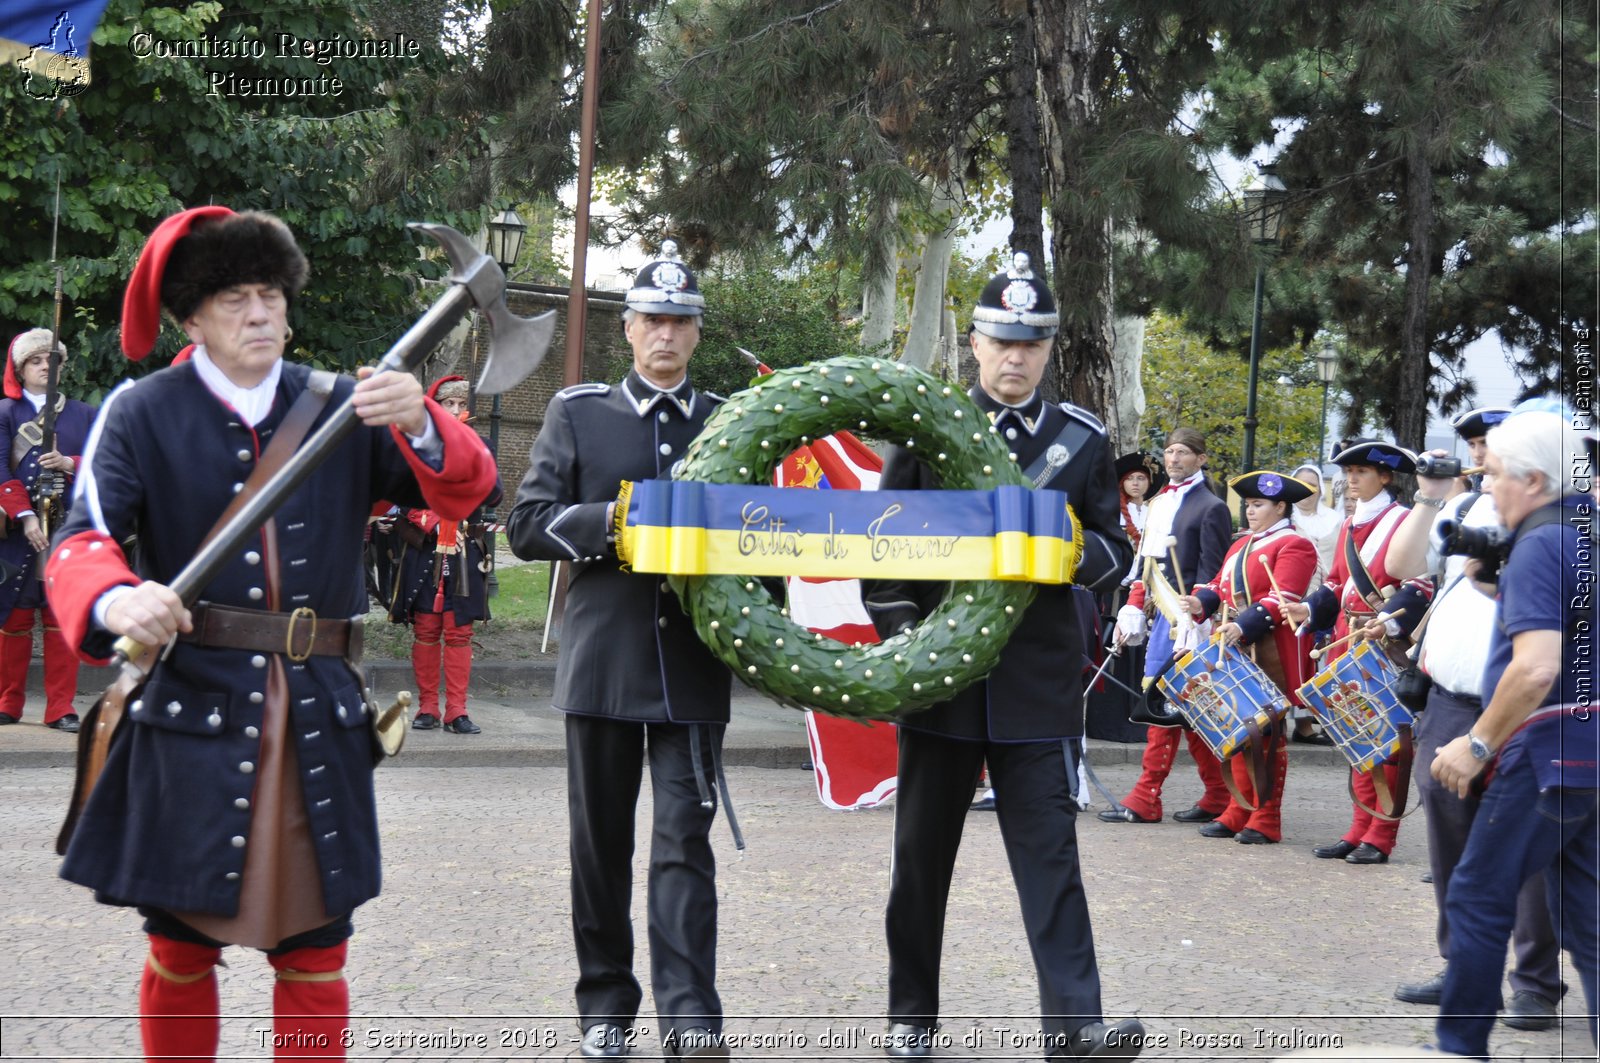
[1189,637]
[1130,625]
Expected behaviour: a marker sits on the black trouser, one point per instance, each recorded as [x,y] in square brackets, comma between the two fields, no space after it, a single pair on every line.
[1446,718]
[1033,785]
[162,922]
[605,764]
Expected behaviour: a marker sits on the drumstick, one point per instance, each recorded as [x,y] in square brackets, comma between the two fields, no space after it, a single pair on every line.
[1177,573]
[1271,578]
[1320,651]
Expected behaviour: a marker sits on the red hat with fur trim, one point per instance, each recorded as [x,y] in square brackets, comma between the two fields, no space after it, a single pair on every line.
[199,252]
[463,390]
[22,348]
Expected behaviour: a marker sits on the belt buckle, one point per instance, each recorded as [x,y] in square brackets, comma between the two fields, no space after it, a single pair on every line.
[301,613]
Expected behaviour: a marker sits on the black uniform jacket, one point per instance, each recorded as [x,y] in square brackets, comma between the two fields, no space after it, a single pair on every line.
[628,650]
[1035,693]
[169,820]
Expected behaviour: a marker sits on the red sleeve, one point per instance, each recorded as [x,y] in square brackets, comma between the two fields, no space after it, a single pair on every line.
[80,570]
[1293,569]
[1339,573]
[14,499]
[469,475]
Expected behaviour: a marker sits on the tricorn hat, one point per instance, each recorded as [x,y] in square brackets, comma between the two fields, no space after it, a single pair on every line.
[1016,305]
[198,252]
[23,347]
[1476,423]
[1272,486]
[1378,455]
[666,286]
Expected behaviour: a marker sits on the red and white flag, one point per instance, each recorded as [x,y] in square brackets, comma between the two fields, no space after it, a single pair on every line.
[855,762]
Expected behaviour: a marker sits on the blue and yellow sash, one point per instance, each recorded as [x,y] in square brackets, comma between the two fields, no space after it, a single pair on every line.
[697,529]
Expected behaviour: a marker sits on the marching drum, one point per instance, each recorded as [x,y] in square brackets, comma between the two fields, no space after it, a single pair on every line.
[1224,695]
[1355,700]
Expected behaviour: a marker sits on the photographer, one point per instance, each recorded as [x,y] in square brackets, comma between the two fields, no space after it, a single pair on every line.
[1539,730]
[1454,644]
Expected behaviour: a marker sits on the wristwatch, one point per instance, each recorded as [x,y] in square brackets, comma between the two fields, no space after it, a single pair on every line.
[1431,503]
[1480,749]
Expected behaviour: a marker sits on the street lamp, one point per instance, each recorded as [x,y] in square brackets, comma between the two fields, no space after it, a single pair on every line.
[504,244]
[1284,384]
[1263,217]
[1327,369]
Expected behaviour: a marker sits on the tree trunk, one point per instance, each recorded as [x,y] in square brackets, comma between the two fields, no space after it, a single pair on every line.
[927,304]
[1127,356]
[1081,249]
[1024,155]
[1411,412]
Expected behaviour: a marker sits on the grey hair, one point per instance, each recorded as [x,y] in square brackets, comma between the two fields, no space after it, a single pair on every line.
[629,313]
[1541,442]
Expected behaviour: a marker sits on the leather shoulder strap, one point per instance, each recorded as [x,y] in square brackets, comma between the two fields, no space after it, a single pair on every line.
[301,416]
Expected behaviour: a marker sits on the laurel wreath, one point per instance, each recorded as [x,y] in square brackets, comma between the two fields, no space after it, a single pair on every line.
[743,441]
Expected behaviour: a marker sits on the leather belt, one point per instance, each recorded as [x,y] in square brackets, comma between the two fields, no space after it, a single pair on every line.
[297,635]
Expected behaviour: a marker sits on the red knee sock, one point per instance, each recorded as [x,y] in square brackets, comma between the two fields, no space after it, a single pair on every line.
[178,1001]
[310,1003]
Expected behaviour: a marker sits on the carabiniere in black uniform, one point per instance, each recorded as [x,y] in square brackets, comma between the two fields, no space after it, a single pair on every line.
[1021,720]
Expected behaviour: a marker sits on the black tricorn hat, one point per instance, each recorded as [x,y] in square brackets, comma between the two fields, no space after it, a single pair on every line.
[1475,423]
[218,253]
[1272,486]
[666,286]
[1016,305]
[1377,454]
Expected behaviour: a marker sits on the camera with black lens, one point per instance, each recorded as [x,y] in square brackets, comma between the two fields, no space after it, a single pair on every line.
[1437,467]
[1489,545]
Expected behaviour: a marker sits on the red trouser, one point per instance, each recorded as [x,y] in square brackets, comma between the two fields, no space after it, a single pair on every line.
[431,635]
[1268,816]
[1160,746]
[1364,826]
[178,1002]
[60,665]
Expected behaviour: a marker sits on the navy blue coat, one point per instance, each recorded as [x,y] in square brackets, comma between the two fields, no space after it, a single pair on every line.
[159,828]
[628,650]
[24,590]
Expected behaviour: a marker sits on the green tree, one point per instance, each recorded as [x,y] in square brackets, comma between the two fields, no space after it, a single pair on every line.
[152,135]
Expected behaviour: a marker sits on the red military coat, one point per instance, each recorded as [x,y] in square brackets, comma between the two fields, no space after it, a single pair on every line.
[1341,593]
[1242,584]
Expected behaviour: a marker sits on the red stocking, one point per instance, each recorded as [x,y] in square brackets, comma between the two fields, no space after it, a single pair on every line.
[60,672]
[425,659]
[178,1001]
[310,1003]
[16,650]
[457,669]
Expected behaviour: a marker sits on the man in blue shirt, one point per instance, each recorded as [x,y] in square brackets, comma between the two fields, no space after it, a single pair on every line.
[1539,732]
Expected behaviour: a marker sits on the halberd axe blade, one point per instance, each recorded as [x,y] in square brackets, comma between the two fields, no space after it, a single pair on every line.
[516,344]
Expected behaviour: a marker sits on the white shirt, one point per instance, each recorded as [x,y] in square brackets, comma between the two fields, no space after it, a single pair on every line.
[1456,642]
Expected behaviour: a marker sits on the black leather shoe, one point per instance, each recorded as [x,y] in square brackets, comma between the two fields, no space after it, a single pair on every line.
[1429,992]
[1530,1011]
[1194,814]
[697,1042]
[1215,830]
[983,804]
[6,717]
[1251,836]
[426,721]
[1125,815]
[1337,851]
[1104,1040]
[603,1040]
[1427,876]
[67,723]
[463,725]
[1367,853]
[1313,738]
[905,1041]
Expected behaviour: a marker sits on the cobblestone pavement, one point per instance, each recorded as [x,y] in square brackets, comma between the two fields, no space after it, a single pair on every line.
[1225,951]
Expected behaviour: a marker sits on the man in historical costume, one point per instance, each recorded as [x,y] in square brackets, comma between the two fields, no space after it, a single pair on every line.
[1362,593]
[632,673]
[1454,646]
[36,490]
[441,590]
[1023,719]
[1185,537]
[1263,571]
[236,804]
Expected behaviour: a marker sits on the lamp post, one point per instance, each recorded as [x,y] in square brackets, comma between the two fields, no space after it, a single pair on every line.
[1284,384]
[1263,216]
[504,244]
[1327,369]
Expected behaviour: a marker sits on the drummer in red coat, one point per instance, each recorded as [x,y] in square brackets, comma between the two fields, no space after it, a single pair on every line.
[1270,567]
[1360,594]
